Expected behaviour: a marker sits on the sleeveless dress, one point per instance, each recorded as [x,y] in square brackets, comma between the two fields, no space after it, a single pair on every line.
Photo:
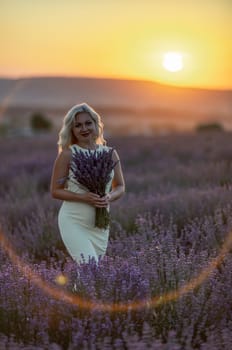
[76,222]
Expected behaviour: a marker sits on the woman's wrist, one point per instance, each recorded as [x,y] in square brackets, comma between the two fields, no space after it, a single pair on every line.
[116,193]
[109,196]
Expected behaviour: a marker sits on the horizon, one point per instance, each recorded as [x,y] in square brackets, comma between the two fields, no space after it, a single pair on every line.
[206,88]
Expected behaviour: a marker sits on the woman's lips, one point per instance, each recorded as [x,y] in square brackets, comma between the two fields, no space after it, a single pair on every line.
[85,134]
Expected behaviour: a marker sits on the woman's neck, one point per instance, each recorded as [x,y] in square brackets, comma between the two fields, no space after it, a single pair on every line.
[88,145]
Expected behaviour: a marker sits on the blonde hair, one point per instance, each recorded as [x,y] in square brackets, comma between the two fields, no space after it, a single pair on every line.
[66,137]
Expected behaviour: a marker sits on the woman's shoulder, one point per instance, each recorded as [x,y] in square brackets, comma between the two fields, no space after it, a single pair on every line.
[65,154]
[115,155]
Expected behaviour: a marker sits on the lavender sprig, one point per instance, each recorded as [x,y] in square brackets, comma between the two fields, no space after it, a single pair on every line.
[93,170]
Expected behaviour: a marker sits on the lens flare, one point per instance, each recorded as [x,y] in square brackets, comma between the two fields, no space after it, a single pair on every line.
[68,297]
[61,279]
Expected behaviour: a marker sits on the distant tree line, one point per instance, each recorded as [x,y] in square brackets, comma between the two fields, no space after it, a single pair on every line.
[214,126]
[39,122]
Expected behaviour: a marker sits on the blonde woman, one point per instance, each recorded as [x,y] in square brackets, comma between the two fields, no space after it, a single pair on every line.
[82,129]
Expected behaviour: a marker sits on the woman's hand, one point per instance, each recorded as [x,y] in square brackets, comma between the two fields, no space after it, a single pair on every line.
[108,198]
[95,200]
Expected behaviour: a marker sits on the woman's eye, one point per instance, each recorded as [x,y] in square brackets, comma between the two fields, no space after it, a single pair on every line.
[89,123]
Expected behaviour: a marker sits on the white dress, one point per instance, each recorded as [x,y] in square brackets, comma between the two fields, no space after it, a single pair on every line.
[76,222]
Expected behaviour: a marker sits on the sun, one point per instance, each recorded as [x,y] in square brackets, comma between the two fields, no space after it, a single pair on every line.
[173,61]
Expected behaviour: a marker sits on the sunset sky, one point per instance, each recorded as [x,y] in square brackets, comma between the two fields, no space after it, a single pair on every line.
[118,39]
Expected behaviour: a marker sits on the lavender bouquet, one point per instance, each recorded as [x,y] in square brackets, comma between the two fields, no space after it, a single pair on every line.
[93,170]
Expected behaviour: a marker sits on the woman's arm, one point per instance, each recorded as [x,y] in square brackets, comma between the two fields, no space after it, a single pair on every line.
[59,177]
[118,183]
[58,180]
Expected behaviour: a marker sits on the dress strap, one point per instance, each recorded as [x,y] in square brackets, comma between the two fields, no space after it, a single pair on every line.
[73,147]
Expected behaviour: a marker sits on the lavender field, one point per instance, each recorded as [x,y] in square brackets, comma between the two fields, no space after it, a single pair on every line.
[170,227]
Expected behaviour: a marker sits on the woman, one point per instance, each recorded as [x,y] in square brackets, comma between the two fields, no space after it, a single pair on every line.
[82,130]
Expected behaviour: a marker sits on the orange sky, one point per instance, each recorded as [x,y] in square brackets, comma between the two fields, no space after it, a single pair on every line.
[123,38]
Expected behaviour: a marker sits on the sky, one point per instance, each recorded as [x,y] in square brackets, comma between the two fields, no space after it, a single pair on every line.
[118,39]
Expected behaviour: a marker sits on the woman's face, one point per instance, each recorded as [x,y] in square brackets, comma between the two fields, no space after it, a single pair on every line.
[84,128]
